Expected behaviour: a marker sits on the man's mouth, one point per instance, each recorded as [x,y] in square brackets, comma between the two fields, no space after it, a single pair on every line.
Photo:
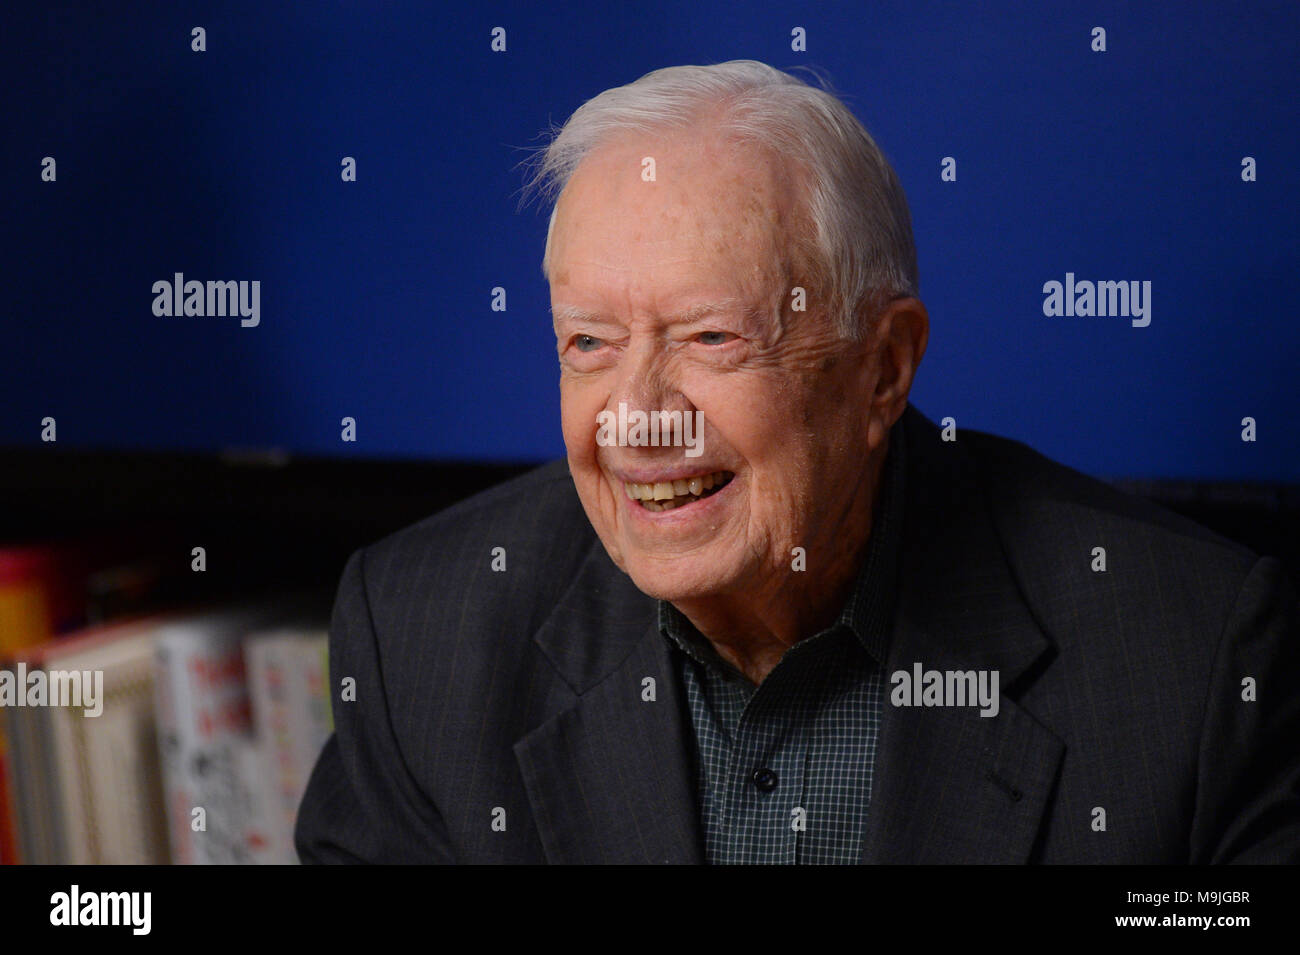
[666,495]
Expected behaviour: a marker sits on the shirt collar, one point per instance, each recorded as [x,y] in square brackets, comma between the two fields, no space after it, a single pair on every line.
[869,610]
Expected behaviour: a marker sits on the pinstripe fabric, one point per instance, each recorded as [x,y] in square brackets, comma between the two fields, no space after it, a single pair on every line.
[813,722]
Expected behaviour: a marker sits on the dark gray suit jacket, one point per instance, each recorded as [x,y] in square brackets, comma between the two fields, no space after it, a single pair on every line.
[516,696]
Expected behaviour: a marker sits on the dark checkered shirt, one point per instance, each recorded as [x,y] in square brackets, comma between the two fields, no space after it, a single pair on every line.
[784,769]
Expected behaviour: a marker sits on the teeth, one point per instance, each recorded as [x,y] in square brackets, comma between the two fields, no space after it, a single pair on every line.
[665,495]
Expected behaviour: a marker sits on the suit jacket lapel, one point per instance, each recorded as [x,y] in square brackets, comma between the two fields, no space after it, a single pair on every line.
[609,777]
[951,785]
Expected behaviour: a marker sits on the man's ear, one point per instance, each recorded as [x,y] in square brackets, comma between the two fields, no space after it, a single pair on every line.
[898,339]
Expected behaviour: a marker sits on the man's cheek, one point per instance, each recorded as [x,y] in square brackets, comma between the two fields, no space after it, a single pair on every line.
[578,433]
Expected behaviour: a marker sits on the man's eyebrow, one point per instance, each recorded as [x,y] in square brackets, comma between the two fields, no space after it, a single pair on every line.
[575,313]
[704,309]
[572,313]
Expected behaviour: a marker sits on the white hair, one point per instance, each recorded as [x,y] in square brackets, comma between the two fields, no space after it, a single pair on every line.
[861,249]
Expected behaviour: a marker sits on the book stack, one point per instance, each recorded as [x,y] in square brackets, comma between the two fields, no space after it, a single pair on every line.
[181,736]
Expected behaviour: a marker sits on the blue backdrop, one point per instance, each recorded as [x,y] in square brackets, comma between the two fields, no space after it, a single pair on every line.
[376,294]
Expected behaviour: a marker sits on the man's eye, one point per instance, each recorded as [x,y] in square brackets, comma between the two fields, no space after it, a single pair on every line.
[714,338]
[587,343]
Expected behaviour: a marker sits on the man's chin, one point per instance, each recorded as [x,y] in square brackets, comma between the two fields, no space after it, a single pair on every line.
[694,580]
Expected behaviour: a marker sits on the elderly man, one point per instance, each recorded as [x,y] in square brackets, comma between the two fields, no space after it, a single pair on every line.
[817,630]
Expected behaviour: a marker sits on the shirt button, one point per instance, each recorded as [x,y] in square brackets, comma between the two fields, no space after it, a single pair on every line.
[765,779]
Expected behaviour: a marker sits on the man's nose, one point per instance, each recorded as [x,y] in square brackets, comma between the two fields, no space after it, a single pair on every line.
[644,377]
[649,382]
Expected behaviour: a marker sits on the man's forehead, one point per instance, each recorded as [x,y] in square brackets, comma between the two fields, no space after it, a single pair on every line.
[620,240]
[701,237]
[677,175]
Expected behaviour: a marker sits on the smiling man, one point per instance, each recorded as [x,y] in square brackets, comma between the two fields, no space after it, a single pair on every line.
[677,295]
[811,630]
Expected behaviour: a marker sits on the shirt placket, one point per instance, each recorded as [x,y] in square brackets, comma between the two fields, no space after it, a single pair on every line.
[766,773]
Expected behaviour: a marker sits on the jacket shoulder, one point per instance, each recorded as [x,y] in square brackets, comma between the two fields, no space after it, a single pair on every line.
[1020,475]
[1090,556]
[505,554]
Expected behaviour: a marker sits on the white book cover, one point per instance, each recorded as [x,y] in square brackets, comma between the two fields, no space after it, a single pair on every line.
[269,675]
[213,784]
[314,650]
[287,684]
